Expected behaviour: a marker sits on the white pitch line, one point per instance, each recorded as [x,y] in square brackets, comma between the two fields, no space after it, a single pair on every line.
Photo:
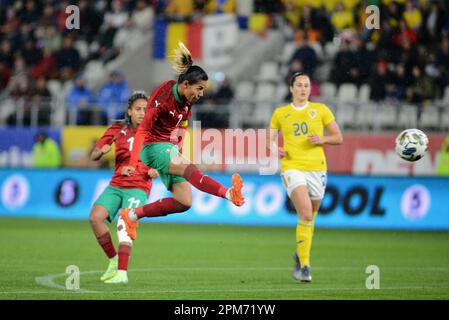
[48,280]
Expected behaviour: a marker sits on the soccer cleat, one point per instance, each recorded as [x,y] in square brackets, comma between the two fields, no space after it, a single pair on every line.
[112,269]
[130,225]
[120,276]
[236,190]
[304,274]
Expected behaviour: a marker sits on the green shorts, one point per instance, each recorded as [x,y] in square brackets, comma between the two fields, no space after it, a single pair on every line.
[158,156]
[113,199]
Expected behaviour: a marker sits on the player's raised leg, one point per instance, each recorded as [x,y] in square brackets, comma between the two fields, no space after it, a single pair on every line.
[97,216]
[181,202]
[179,166]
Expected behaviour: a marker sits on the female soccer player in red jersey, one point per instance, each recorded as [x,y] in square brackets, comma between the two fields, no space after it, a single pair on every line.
[168,110]
[123,191]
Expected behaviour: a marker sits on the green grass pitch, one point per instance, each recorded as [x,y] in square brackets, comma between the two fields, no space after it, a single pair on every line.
[181,261]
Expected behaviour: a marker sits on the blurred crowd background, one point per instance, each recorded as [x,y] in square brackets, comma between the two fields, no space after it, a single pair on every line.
[405,61]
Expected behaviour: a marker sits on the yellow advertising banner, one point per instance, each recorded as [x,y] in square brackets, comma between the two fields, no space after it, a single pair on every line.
[77,144]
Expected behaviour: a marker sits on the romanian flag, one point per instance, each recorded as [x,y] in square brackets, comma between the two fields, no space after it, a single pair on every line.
[167,36]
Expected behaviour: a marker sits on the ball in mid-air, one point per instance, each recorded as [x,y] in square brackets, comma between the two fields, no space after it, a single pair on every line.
[411,144]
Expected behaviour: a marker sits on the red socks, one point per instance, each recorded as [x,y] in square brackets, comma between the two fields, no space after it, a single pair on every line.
[160,208]
[124,251]
[106,243]
[204,183]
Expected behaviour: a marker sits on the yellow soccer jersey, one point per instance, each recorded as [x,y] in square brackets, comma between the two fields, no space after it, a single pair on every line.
[296,124]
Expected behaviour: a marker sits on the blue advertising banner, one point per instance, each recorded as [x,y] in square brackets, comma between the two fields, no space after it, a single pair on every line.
[350,202]
[16,145]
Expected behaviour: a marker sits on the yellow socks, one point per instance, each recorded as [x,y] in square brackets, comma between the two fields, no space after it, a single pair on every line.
[304,235]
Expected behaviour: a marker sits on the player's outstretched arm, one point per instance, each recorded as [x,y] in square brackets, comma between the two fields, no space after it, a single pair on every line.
[333,136]
[97,153]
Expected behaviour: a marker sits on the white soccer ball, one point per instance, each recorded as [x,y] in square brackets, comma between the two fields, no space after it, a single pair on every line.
[411,144]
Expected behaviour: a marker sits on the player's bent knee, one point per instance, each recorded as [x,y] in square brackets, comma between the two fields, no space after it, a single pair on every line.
[306,217]
[94,218]
[97,215]
[184,206]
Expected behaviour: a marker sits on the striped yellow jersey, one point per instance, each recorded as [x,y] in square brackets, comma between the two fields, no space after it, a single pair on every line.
[296,124]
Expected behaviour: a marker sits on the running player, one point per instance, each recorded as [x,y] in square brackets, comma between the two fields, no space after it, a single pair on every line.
[303,162]
[168,110]
[123,191]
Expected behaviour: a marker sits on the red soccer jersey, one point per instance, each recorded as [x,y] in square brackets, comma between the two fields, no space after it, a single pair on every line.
[123,137]
[165,113]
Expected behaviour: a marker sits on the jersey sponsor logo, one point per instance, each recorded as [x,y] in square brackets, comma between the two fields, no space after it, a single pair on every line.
[288,115]
[172,113]
[312,113]
[124,131]
[157,103]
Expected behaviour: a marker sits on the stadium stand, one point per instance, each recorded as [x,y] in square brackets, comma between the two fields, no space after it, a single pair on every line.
[402,66]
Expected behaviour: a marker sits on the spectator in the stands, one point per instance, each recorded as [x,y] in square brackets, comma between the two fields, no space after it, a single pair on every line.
[385,45]
[19,75]
[442,63]
[344,61]
[412,16]
[392,14]
[379,81]
[342,18]
[116,18]
[405,33]
[422,87]
[20,37]
[51,39]
[12,22]
[229,6]
[362,64]
[401,79]
[114,94]
[40,99]
[214,111]
[433,22]
[179,10]
[6,54]
[5,74]
[68,56]
[40,91]
[142,16]
[31,13]
[113,21]
[46,67]
[48,17]
[305,53]
[90,20]
[309,20]
[224,94]
[31,53]
[80,101]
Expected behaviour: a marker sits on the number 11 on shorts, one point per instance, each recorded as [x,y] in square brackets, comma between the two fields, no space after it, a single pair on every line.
[133,203]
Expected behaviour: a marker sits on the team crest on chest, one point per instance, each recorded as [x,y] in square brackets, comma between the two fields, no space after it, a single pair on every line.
[312,113]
